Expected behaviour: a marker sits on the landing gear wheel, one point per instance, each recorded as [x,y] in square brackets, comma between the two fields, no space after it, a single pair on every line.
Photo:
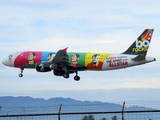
[20,75]
[76,78]
[66,75]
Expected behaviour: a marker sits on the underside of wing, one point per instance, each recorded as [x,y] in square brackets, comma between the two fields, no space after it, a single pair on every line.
[78,67]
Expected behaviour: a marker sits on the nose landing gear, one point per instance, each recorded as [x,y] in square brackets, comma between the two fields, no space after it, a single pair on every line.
[21,75]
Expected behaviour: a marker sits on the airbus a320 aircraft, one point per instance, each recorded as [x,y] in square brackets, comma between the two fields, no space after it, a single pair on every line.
[63,63]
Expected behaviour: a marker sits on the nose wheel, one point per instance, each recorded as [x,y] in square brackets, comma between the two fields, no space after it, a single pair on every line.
[21,75]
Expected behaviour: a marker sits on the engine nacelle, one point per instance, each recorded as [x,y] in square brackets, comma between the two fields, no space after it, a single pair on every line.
[43,66]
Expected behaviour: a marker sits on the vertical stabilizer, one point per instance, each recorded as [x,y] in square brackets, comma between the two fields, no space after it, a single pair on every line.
[141,45]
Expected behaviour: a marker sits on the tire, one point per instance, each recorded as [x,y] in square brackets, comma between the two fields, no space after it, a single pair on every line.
[66,75]
[20,75]
[76,78]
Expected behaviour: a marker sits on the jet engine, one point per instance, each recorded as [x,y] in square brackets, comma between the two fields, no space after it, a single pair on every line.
[43,67]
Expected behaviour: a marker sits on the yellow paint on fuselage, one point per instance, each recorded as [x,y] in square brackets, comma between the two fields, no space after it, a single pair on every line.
[94,61]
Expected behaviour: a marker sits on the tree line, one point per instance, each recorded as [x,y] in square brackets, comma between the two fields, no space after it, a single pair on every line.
[91,117]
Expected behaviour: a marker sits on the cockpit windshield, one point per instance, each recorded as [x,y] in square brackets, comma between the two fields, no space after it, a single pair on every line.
[10,56]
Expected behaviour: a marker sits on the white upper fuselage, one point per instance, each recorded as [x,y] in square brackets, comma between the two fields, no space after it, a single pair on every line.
[101,61]
[64,63]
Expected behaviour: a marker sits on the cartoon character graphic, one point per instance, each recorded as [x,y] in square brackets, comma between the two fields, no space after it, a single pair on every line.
[31,56]
[50,57]
[96,63]
[74,59]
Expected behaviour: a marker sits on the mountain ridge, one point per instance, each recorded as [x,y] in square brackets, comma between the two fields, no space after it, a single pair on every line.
[27,101]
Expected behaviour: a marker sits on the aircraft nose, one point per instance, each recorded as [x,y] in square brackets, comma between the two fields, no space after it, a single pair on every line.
[4,62]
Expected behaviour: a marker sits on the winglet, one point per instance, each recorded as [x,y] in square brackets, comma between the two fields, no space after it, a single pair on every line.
[65,49]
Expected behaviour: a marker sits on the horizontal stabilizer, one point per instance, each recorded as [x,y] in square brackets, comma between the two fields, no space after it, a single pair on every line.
[139,57]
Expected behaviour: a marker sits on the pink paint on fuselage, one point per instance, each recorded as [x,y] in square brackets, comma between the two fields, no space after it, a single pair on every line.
[27,59]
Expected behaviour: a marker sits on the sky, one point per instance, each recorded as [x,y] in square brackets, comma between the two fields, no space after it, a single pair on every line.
[107,26]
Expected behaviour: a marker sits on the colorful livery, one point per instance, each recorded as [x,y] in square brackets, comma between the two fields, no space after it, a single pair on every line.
[63,63]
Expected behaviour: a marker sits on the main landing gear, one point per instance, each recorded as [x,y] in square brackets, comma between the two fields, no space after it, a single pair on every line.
[66,75]
[76,77]
[21,75]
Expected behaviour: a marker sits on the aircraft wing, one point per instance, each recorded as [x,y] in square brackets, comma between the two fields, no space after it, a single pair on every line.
[61,61]
[61,58]
[139,57]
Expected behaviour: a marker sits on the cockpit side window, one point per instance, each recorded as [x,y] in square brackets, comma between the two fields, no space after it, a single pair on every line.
[10,56]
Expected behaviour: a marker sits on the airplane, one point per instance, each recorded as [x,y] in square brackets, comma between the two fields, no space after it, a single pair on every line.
[63,63]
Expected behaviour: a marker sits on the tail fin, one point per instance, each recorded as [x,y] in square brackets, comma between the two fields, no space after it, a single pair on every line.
[141,45]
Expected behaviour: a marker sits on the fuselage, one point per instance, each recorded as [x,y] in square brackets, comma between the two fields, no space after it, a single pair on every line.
[63,63]
[92,61]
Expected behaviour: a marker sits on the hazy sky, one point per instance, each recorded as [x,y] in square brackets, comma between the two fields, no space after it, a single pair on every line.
[84,26]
